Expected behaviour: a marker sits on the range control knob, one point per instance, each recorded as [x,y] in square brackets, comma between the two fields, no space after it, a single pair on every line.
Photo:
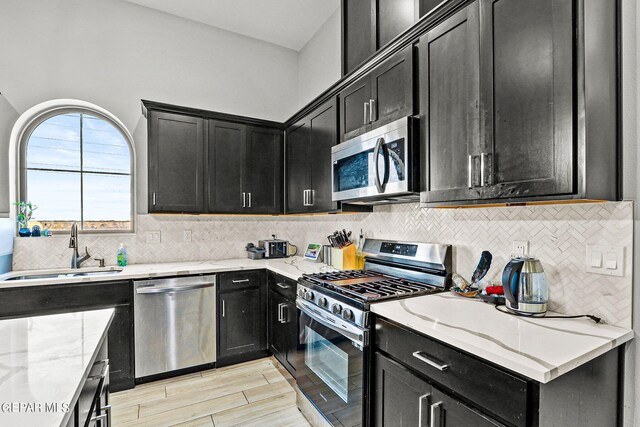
[308,295]
[336,309]
[322,302]
[301,293]
[347,314]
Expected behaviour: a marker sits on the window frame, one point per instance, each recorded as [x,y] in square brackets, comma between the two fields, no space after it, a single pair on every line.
[22,157]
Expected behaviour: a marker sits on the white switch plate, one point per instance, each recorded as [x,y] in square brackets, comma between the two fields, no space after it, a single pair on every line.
[153,236]
[519,248]
[611,260]
[186,236]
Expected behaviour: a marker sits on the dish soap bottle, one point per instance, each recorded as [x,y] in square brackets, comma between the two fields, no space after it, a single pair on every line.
[122,256]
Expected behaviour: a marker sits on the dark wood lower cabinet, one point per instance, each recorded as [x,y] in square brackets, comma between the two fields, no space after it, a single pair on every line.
[64,298]
[406,390]
[242,315]
[283,321]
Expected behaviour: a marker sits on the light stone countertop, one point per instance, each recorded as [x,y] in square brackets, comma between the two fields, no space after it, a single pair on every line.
[292,267]
[44,361]
[540,349]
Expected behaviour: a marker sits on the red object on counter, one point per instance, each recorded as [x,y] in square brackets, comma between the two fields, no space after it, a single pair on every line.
[494,290]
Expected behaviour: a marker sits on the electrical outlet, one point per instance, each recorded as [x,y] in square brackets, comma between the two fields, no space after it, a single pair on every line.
[186,236]
[153,237]
[519,248]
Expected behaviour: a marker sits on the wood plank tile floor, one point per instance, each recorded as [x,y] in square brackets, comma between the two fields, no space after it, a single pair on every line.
[255,393]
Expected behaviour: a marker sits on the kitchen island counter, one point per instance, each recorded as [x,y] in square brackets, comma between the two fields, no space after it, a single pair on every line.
[537,348]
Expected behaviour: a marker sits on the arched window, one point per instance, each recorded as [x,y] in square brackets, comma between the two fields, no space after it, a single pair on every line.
[76,166]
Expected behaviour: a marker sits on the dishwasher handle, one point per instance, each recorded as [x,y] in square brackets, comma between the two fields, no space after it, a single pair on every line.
[170,289]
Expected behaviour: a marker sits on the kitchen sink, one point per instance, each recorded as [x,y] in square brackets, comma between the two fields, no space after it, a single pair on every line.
[63,274]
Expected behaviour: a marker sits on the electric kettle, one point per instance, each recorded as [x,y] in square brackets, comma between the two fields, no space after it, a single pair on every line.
[525,286]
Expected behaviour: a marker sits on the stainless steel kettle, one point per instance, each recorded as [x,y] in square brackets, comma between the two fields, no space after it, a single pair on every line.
[525,286]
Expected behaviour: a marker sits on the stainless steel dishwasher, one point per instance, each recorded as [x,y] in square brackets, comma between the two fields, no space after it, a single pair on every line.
[175,324]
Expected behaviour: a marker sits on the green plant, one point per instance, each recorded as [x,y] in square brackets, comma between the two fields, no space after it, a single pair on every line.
[25,212]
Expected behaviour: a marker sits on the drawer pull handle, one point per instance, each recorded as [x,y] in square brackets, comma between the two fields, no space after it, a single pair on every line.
[435,411]
[99,417]
[240,281]
[283,286]
[419,355]
[420,406]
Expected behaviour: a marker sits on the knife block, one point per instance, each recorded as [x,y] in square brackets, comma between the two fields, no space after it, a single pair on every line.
[345,258]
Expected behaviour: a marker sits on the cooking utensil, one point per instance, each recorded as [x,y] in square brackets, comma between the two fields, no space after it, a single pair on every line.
[482,268]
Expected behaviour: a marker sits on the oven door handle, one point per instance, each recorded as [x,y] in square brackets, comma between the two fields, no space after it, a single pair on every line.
[357,338]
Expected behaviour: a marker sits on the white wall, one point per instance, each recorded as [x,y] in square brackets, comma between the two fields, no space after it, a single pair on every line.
[113,53]
[8,116]
[631,156]
[319,61]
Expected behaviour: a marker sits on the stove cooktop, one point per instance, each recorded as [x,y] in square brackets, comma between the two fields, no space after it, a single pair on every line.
[369,286]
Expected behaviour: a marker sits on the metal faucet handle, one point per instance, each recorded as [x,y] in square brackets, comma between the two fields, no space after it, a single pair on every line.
[101,261]
[86,252]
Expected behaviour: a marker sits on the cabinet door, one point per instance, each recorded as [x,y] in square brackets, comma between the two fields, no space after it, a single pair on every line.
[358,32]
[394,17]
[449,114]
[392,88]
[450,412]
[400,397]
[226,158]
[176,165]
[297,167]
[527,85]
[263,172]
[242,322]
[277,329]
[354,108]
[324,135]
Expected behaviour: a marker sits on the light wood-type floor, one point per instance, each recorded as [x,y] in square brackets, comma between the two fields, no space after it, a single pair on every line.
[255,393]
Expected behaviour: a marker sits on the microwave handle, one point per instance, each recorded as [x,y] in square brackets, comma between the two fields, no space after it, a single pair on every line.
[376,150]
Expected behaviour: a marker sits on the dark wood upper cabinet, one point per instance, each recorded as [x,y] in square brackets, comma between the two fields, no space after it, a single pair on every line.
[226,152]
[509,115]
[263,172]
[309,142]
[381,96]
[527,97]
[448,57]
[368,25]
[176,165]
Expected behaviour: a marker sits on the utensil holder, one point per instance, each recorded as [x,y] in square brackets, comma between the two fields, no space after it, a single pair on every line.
[345,258]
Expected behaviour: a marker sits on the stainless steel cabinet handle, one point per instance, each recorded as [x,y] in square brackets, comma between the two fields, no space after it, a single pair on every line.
[282,286]
[482,155]
[311,198]
[435,413]
[244,200]
[307,198]
[281,313]
[240,281]
[99,417]
[421,400]
[223,308]
[470,171]
[249,200]
[373,116]
[153,198]
[366,115]
[304,198]
[419,355]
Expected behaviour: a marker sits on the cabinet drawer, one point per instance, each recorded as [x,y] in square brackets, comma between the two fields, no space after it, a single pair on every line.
[282,285]
[240,279]
[490,388]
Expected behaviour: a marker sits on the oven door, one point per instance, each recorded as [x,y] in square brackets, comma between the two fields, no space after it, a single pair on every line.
[374,164]
[332,366]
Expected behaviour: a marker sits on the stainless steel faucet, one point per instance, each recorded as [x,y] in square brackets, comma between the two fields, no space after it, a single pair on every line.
[76,259]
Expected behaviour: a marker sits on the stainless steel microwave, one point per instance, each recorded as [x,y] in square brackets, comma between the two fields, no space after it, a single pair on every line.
[380,166]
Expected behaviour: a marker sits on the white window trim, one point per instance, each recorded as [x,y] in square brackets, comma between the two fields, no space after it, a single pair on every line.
[34,115]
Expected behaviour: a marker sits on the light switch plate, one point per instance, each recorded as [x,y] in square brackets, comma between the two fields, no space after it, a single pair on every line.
[605,260]
[152,236]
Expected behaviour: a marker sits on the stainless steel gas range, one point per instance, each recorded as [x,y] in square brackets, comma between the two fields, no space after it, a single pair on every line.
[334,320]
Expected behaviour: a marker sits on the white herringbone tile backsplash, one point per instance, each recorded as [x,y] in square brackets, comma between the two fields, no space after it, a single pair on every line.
[558,235]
